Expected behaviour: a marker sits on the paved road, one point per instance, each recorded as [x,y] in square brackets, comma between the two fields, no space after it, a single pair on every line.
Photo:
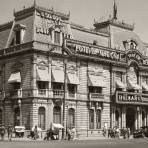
[111,143]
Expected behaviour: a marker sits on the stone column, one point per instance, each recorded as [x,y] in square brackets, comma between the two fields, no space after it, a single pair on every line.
[123,116]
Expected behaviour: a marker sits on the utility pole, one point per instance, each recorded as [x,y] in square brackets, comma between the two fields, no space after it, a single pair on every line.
[65,85]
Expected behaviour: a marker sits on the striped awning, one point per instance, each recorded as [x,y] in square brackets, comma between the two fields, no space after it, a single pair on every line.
[42,75]
[58,76]
[15,77]
[73,79]
[96,81]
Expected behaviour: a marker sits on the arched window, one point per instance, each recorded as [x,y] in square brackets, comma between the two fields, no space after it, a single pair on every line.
[91,119]
[71,118]
[98,119]
[41,117]
[57,114]
[1,116]
[17,116]
[117,118]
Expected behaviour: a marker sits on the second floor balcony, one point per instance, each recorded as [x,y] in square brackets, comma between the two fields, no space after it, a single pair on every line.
[17,93]
[58,93]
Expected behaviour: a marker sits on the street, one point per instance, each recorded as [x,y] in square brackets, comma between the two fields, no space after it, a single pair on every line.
[110,143]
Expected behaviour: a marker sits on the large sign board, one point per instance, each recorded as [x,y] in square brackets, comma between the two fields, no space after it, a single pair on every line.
[131,98]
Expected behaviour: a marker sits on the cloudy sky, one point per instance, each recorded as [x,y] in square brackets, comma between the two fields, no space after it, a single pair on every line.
[84,12]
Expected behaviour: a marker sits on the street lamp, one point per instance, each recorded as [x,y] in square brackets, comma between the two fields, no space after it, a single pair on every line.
[20,107]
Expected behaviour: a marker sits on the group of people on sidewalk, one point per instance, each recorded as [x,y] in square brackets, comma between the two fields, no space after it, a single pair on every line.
[3,130]
[115,132]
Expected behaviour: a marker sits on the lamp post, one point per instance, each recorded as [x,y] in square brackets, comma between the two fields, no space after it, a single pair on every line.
[20,107]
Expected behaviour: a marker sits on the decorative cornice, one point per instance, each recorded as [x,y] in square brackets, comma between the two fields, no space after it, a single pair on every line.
[114,23]
[5,26]
[82,28]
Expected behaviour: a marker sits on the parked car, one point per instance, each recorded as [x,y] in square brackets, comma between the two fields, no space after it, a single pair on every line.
[142,132]
[19,131]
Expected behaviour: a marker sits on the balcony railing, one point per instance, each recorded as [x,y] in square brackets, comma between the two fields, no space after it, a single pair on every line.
[16,93]
[42,93]
[58,93]
[96,96]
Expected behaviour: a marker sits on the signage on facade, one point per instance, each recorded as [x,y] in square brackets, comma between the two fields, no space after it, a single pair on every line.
[48,23]
[108,54]
[92,51]
[127,98]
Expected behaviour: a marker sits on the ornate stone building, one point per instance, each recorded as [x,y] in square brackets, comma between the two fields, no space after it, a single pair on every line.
[54,71]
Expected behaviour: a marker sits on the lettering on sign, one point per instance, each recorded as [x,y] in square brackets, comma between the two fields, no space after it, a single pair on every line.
[99,52]
[129,98]
[49,21]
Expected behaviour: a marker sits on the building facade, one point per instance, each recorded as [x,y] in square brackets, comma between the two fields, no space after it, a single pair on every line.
[55,71]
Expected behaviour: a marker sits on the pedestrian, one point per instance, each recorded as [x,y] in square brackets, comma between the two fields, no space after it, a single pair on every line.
[2,132]
[68,133]
[9,130]
[35,132]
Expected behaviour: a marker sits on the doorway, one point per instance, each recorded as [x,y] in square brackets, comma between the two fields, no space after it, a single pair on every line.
[130,119]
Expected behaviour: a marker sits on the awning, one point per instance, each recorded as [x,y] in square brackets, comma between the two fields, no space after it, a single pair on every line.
[57,125]
[58,76]
[15,77]
[120,84]
[95,81]
[145,86]
[42,75]
[73,79]
[132,85]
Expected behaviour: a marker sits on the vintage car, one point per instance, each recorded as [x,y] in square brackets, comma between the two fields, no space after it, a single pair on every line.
[19,131]
[142,132]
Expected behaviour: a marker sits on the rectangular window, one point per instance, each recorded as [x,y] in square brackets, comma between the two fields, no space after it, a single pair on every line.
[93,89]
[18,37]
[71,88]
[57,86]
[57,37]
[16,86]
[42,85]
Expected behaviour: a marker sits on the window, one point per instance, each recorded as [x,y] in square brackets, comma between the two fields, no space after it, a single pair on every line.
[16,85]
[57,114]
[57,86]
[18,36]
[98,119]
[71,88]
[42,85]
[119,76]
[91,119]
[57,37]
[93,89]
[41,117]
[71,118]
[1,116]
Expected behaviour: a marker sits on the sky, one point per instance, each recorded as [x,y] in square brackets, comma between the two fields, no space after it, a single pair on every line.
[83,12]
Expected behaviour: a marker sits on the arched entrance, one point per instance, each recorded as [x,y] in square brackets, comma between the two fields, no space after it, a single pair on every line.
[130,119]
